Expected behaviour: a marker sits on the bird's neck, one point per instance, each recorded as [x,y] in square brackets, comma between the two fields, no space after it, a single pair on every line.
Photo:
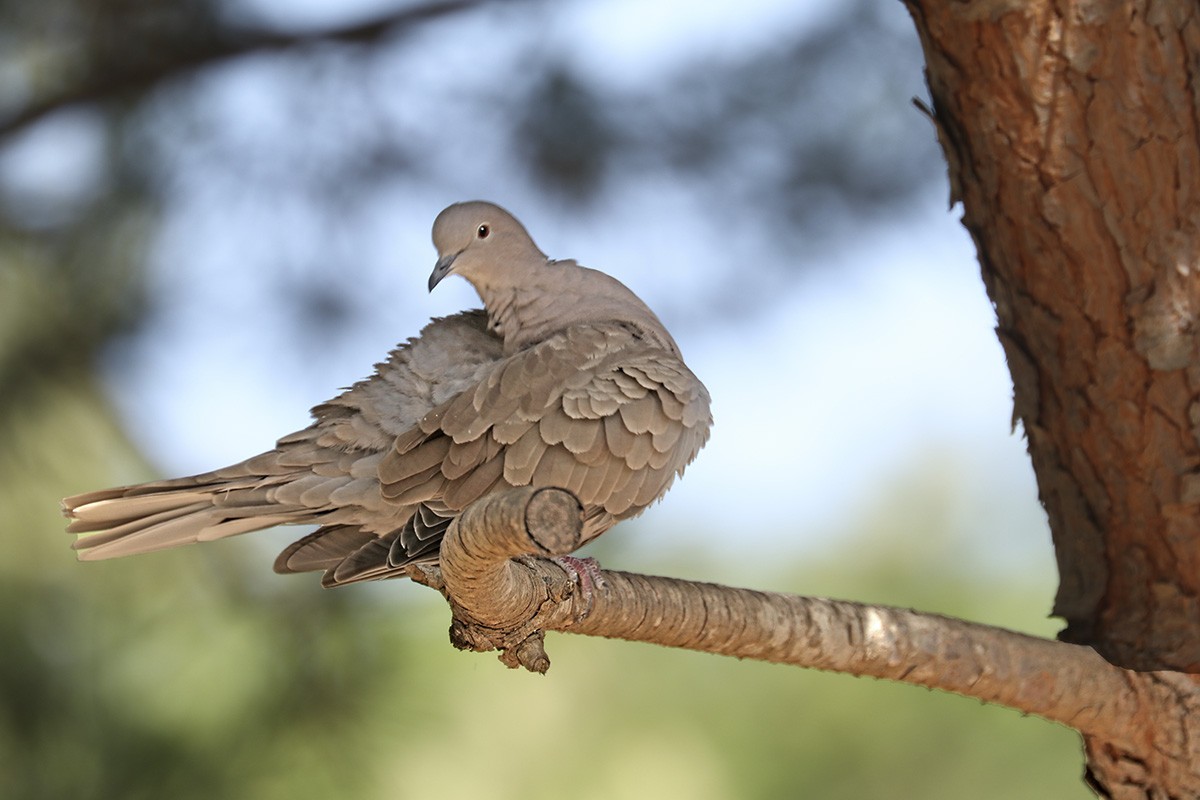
[571,295]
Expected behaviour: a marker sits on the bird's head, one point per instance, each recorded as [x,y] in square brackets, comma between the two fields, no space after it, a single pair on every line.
[483,243]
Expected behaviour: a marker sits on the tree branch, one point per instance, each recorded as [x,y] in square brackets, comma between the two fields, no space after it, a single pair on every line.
[106,80]
[499,603]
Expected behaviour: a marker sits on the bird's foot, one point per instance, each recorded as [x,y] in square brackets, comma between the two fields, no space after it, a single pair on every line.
[585,573]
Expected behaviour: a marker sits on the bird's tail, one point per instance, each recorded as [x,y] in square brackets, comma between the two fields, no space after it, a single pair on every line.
[154,516]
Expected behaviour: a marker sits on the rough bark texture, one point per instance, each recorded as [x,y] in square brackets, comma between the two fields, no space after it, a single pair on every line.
[1070,129]
[1071,133]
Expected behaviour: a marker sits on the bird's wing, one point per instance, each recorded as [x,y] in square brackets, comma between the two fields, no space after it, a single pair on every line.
[594,409]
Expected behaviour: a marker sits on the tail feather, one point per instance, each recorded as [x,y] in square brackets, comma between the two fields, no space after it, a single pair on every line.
[322,549]
[368,563]
[301,481]
[156,516]
[199,526]
[109,510]
[102,534]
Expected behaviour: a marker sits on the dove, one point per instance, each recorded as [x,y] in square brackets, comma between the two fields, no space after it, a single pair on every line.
[564,379]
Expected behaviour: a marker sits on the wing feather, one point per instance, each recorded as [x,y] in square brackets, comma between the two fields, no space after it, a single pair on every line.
[593,409]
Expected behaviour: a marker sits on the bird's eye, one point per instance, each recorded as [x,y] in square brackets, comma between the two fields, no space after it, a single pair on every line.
[483,231]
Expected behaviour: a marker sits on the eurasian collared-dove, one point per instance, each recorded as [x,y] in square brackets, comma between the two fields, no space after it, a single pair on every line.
[565,379]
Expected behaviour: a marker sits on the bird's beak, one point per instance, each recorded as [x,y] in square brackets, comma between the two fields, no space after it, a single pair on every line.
[441,269]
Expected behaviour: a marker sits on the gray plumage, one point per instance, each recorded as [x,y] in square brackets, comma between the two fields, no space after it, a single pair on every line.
[565,379]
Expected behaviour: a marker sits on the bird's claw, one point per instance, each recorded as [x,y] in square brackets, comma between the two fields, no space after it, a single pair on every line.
[586,574]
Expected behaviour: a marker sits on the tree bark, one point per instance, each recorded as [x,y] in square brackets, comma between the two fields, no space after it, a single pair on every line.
[1070,128]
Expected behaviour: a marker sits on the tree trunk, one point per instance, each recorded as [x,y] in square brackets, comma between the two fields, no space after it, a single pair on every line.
[1070,129]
